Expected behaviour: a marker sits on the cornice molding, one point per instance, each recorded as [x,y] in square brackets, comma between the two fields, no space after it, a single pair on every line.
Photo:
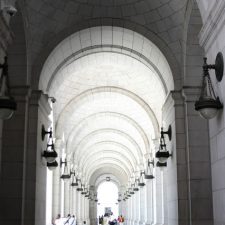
[213,25]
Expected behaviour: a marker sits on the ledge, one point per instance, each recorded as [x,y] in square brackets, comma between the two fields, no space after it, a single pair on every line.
[213,25]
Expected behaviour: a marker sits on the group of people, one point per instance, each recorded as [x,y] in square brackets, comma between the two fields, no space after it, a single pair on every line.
[107,220]
[69,220]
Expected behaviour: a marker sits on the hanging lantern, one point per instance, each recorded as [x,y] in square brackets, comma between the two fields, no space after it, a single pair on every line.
[66,175]
[51,166]
[141,182]
[148,172]
[209,104]
[162,154]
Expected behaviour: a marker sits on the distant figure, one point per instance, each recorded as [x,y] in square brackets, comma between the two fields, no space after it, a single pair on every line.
[120,219]
[72,220]
[67,220]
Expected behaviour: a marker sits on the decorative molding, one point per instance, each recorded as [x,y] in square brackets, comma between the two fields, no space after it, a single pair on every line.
[191,93]
[38,99]
[213,25]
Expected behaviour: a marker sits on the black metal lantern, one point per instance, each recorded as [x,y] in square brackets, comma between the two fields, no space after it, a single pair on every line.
[209,104]
[141,182]
[66,175]
[148,172]
[51,166]
[7,103]
[135,188]
[49,154]
[74,182]
[162,154]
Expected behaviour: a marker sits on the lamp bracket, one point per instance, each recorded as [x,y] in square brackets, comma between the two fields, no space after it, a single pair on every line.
[168,132]
[61,162]
[44,132]
[151,162]
[72,173]
[218,66]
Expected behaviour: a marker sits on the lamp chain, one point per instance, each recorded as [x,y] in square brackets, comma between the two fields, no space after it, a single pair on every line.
[211,90]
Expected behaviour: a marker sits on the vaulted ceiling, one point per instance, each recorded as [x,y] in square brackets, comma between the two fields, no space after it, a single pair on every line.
[110,64]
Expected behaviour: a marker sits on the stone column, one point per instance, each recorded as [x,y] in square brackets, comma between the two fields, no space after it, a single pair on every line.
[74,202]
[66,197]
[198,164]
[158,198]
[78,208]
[24,168]
[13,160]
[137,206]
[143,206]
[134,205]
[56,194]
[149,199]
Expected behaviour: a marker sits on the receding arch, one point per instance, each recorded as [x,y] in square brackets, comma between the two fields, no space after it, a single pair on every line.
[104,131]
[114,145]
[107,169]
[107,153]
[78,100]
[42,57]
[85,122]
[105,163]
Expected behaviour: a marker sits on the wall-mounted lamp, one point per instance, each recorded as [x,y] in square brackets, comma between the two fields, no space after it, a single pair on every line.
[44,132]
[49,154]
[135,188]
[7,103]
[141,182]
[75,180]
[87,195]
[148,172]
[209,104]
[162,154]
[119,198]
[66,175]
[159,164]
[131,191]
[51,166]
[95,198]
[80,186]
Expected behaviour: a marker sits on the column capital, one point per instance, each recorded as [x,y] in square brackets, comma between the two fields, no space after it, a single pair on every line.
[191,93]
[20,93]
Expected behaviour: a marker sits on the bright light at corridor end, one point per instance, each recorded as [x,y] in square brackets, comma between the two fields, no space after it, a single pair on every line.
[107,196]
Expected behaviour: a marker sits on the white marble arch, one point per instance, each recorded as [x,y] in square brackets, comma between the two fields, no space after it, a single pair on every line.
[116,164]
[105,145]
[104,36]
[107,169]
[104,124]
[98,99]
[102,178]
[106,154]
[107,134]
[85,122]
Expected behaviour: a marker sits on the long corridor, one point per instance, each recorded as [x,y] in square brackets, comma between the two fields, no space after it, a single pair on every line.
[111,111]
